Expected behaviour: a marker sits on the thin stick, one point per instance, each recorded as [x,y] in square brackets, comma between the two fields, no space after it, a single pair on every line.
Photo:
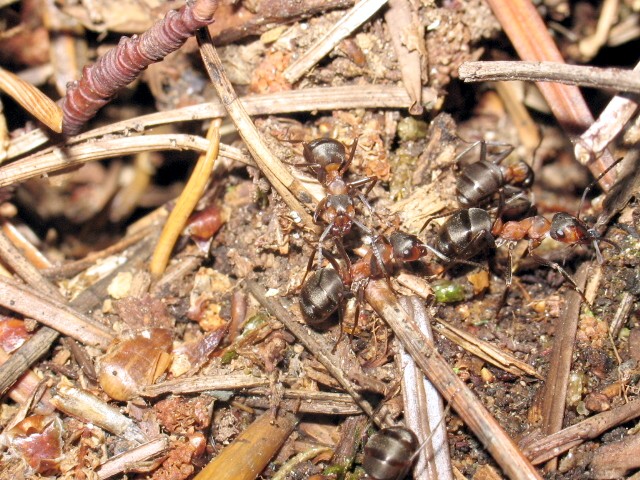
[122,463]
[462,399]
[87,407]
[401,24]
[290,189]
[555,389]
[59,158]
[557,443]
[606,128]
[54,314]
[360,13]
[585,76]
[186,203]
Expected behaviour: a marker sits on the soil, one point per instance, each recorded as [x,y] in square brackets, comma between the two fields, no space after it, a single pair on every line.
[218,330]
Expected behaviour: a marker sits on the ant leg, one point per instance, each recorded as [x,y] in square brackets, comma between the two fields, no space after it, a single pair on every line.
[431,218]
[500,156]
[509,274]
[592,184]
[371,181]
[346,273]
[565,275]
[341,322]
[348,161]
[359,301]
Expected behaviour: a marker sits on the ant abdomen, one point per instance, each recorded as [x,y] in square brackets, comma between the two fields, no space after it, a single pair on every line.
[465,234]
[478,182]
[389,453]
[321,295]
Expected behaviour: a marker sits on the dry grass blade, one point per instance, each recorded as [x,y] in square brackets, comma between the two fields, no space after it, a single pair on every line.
[486,351]
[186,203]
[290,189]
[359,14]
[32,100]
[306,100]
[462,399]
[59,158]
[203,384]
[251,451]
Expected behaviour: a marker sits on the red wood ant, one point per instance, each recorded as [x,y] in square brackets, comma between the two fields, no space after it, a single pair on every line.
[481,181]
[329,161]
[326,289]
[478,182]
[469,232]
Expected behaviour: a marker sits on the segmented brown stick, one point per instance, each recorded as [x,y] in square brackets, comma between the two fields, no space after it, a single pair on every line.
[122,64]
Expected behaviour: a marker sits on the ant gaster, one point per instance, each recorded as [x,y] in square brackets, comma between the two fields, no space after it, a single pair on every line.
[390,453]
[481,180]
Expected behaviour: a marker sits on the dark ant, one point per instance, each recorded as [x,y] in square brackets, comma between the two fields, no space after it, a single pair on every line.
[329,161]
[390,453]
[325,290]
[481,181]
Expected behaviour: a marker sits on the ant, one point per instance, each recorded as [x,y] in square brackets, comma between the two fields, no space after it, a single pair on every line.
[391,452]
[326,289]
[329,161]
[479,182]
[469,232]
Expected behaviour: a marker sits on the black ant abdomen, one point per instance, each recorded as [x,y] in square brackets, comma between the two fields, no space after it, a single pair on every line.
[465,234]
[480,181]
[389,453]
[321,295]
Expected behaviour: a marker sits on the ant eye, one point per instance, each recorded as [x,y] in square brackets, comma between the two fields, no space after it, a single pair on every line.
[560,233]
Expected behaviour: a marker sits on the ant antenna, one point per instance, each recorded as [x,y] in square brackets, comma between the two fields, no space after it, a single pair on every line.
[430,436]
[590,186]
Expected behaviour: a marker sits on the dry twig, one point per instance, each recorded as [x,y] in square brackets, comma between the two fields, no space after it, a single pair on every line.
[585,76]
[360,13]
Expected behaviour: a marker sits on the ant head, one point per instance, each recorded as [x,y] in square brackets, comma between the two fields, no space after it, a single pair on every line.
[325,152]
[568,229]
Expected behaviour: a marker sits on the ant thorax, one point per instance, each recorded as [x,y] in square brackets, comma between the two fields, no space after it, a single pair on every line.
[337,186]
